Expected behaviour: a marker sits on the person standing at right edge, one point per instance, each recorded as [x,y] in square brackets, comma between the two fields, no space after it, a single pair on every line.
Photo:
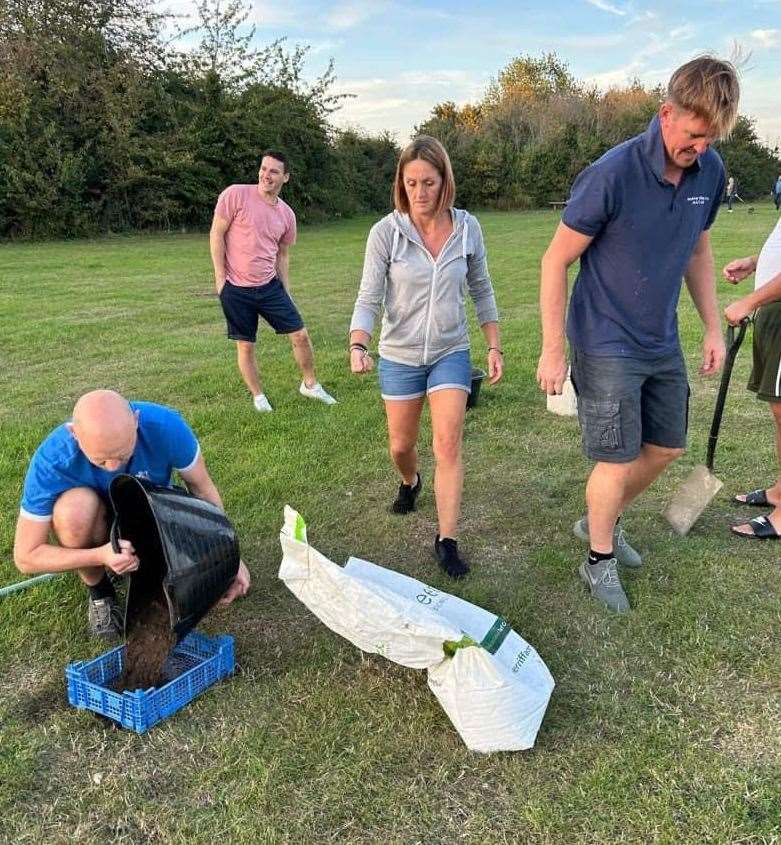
[638,220]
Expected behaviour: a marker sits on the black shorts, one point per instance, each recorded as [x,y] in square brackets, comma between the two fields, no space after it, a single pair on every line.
[765,379]
[243,305]
[625,402]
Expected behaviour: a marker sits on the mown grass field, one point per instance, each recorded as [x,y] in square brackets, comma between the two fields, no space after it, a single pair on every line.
[665,725]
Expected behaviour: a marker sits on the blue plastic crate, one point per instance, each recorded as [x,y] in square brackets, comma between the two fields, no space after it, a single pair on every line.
[195,664]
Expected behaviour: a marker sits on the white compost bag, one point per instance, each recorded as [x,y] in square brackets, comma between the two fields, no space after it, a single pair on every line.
[491,683]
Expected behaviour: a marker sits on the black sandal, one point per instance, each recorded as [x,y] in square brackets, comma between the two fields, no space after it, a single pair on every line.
[757,498]
[761,527]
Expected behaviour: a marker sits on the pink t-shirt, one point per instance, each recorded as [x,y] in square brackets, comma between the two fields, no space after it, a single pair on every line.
[256,231]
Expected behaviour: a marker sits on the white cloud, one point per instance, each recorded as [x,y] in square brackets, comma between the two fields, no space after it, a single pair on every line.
[351,13]
[263,13]
[766,37]
[319,48]
[266,14]
[400,103]
[616,77]
[682,33]
[606,7]
[644,17]
[435,77]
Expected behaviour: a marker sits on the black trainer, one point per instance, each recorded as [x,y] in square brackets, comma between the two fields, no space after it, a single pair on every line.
[405,500]
[446,551]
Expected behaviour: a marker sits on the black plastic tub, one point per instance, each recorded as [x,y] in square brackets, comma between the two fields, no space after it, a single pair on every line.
[184,544]
[477,379]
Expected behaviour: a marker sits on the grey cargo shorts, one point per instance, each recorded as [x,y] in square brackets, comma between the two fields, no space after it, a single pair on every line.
[626,402]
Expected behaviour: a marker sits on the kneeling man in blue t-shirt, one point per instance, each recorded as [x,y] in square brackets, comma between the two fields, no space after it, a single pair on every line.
[66,493]
[638,220]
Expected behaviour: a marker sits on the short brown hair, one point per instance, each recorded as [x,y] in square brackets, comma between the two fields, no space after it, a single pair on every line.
[277,156]
[431,150]
[709,88]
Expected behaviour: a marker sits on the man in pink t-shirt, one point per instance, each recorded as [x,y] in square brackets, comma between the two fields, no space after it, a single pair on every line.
[250,241]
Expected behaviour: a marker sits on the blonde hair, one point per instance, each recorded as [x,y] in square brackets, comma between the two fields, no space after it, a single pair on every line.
[431,150]
[709,88]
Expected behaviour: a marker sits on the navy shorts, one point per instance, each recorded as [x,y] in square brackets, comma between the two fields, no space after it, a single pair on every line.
[243,305]
[625,402]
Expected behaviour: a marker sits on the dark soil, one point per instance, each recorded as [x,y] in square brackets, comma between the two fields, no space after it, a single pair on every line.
[148,645]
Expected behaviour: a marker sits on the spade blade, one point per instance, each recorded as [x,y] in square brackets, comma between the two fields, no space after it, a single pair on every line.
[694,495]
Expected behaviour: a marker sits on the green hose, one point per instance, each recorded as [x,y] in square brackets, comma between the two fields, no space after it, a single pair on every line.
[23,585]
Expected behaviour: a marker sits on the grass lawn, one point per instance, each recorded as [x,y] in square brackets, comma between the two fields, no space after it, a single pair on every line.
[665,725]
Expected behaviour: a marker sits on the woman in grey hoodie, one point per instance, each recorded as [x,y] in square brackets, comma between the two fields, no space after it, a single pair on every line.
[420,261]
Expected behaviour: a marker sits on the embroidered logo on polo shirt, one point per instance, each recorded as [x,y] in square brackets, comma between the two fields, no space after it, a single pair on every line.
[700,200]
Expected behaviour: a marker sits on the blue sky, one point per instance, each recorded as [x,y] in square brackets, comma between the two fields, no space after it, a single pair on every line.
[400,58]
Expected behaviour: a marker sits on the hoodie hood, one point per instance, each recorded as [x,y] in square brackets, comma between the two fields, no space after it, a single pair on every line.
[404,230]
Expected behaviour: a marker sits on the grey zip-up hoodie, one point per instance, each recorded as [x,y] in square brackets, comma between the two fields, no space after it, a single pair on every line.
[424,317]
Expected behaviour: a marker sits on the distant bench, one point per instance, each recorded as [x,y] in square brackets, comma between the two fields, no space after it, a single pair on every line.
[557,206]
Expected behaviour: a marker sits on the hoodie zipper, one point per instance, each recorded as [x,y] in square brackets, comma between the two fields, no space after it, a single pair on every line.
[433,283]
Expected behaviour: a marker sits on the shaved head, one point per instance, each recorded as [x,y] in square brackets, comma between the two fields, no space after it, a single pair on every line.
[104,426]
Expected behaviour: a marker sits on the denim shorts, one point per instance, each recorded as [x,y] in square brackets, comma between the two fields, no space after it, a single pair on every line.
[243,305]
[401,381]
[626,402]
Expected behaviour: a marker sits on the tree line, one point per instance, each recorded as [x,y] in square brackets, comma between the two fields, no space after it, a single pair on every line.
[537,127]
[107,123]
[113,118]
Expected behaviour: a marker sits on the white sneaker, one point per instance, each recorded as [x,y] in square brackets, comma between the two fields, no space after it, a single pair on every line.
[316,391]
[261,403]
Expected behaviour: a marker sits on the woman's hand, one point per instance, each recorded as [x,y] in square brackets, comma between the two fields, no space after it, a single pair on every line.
[360,361]
[495,365]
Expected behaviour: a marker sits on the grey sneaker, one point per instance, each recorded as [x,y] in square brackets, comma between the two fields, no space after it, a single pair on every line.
[604,584]
[625,554]
[105,618]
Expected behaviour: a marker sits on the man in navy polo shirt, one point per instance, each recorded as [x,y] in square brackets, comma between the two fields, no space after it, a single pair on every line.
[638,220]
[66,490]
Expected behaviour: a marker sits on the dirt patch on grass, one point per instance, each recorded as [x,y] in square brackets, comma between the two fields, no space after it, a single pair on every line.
[750,733]
[35,705]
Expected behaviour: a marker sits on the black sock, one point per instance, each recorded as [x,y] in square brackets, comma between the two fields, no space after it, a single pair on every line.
[598,557]
[104,589]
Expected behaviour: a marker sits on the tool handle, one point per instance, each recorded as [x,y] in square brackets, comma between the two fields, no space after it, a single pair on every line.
[733,343]
[114,537]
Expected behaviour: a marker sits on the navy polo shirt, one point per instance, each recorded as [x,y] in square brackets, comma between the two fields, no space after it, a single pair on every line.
[644,229]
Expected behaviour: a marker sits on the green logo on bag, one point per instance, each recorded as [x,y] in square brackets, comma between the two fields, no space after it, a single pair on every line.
[493,640]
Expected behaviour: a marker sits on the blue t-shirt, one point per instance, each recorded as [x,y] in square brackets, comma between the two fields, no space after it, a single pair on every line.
[164,443]
[645,229]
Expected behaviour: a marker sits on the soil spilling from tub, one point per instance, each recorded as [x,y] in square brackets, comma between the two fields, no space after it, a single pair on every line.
[148,644]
